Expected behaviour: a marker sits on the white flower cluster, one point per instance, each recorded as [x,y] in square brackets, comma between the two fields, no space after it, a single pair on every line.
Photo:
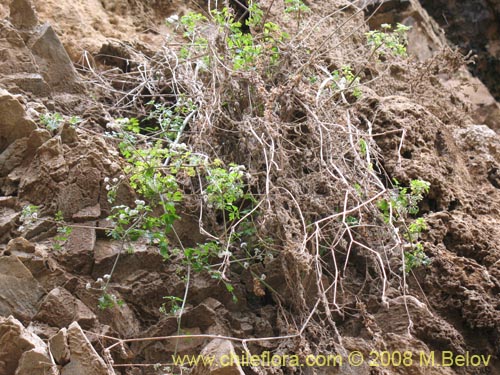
[29,216]
[173,19]
[223,254]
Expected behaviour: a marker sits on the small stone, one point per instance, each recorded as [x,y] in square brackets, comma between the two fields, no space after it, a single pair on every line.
[20,244]
[217,349]
[59,348]
[60,308]
[20,293]
[88,213]
[23,14]
[36,362]
[13,122]
[16,340]
[84,360]
[53,60]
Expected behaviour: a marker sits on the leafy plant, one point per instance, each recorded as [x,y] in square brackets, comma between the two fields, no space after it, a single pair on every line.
[172,306]
[388,40]
[52,121]
[169,120]
[29,216]
[404,202]
[296,6]
[225,187]
[107,301]
[415,258]
[242,49]
[63,231]
[344,79]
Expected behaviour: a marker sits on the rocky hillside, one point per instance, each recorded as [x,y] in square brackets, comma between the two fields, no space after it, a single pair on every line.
[314,180]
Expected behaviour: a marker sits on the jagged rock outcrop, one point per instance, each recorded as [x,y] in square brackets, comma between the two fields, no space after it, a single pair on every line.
[20,293]
[23,353]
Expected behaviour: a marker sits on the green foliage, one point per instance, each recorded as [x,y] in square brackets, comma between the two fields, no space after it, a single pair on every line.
[225,187]
[242,49]
[415,228]
[152,172]
[344,79]
[52,121]
[63,231]
[107,301]
[388,40]
[200,257]
[363,147]
[190,22]
[255,15]
[415,258]
[404,202]
[172,306]
[169,120]
[296,6]
[29,216]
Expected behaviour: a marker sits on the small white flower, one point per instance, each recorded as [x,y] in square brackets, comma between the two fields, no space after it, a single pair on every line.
[35,215]
[88,286]
[246,265]
[21,228]
[172,19]
[99,280]
[139,202]
[108,187]
[243,245]
[262,277]
[133,212]
[115,180]
[106,180]
[106,277]
[121,177]
[223,254]
[122,216]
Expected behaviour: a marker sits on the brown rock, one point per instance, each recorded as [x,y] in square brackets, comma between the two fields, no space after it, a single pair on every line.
[69,135]
[121,319]
[13,156]
[55,64]
[20,244]
[60,309]
[84,360]
[59,348]
[78,250]
[37,138]
[36,362]
[23,15]
[26,82]
[8,218]
[161,351]
[216,349]
[13,123]
[88,213]
[15,55]
[141,258]
[200,316]
[16,340]
[20,293]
